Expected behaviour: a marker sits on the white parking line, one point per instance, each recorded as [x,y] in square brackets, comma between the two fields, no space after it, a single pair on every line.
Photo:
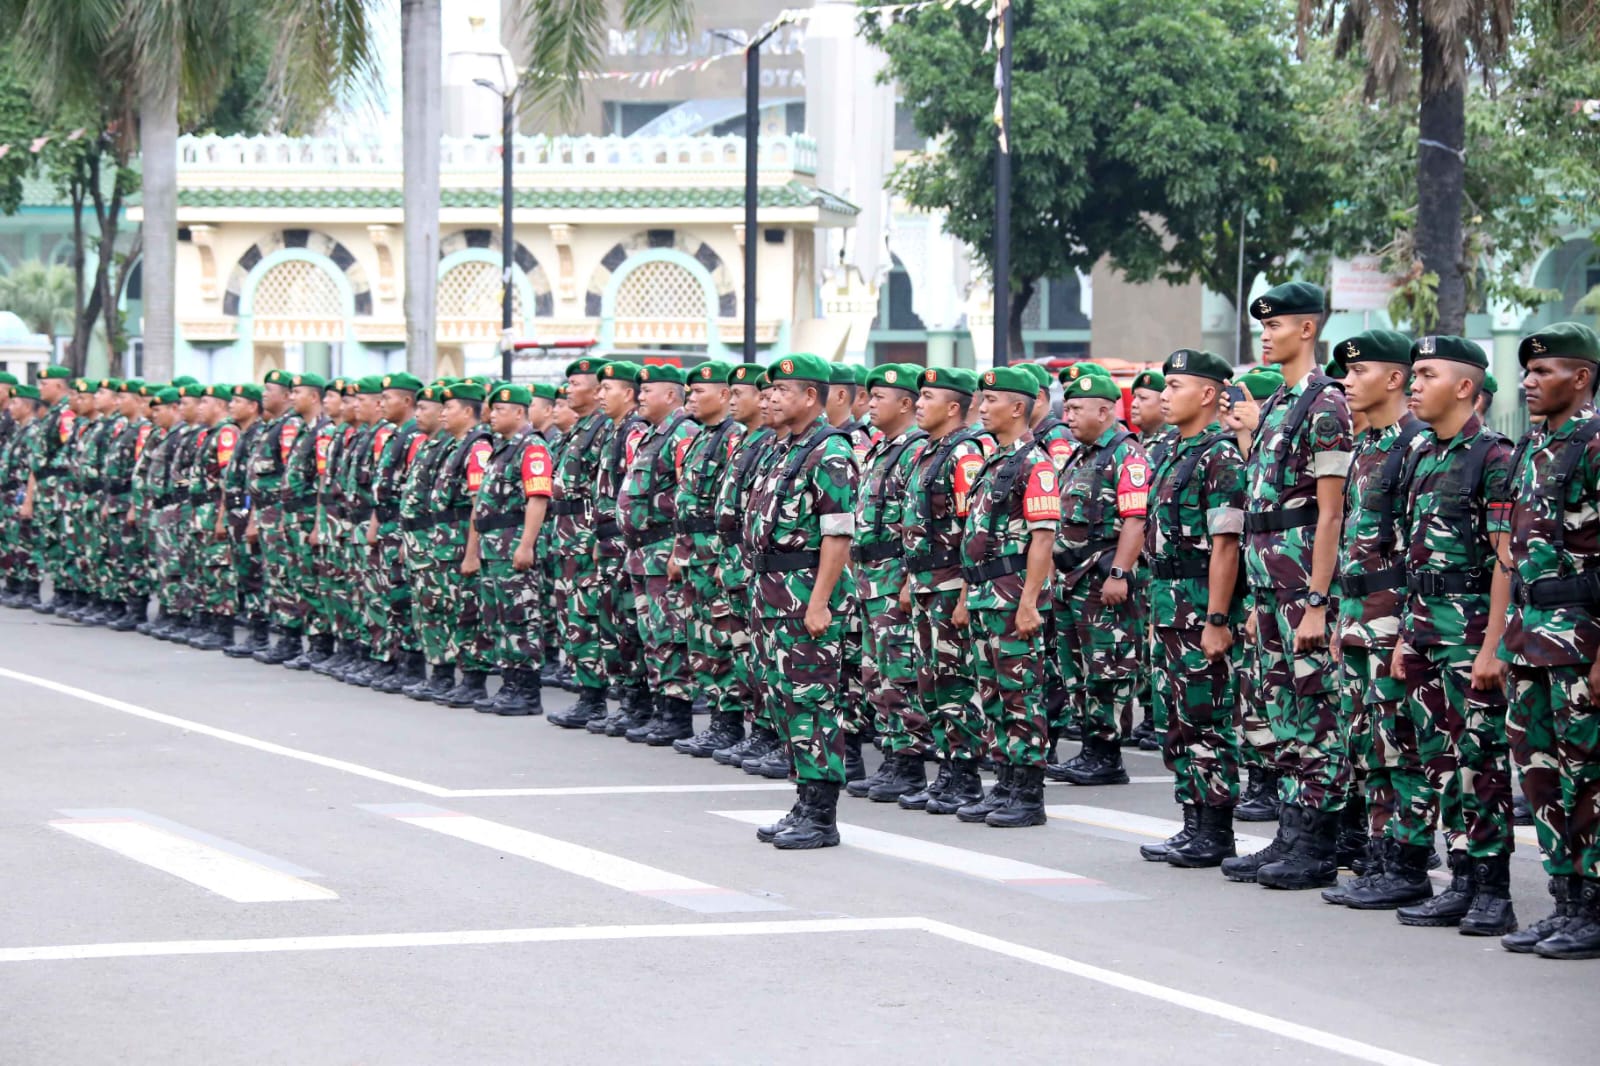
[228,875]
[1215,1008]
[576,859]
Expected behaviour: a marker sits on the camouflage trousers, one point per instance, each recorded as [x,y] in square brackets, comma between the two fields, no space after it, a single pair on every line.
[168,561]
[617,625]
[1196,701]
[341,555]
[709,642]
[1302,701]
[1382,744]
[16,548]
[580,591]
[303,590]
[72,522]
[468,642]
[663,621]
[276,532]
[854,713]
[889,674]
[1099,657]
[551,606]
[386,597]
[512,621]
[1257,745]
[805,675]
[217,594]
[747,691]
[1462,747]
[1009,670]
[1554,730]
[245,558]
[1057,699]
[430,608]
[49,551]
[946,685]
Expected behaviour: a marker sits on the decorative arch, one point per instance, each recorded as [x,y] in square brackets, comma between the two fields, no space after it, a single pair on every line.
[296,295]
[661,297]
[316,245]
[485,245]
[469,307]
[700,254]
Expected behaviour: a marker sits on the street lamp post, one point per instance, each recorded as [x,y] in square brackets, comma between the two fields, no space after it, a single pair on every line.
[508,243]
[1002,197]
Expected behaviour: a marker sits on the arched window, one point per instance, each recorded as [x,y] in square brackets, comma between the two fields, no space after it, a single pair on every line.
[661,290]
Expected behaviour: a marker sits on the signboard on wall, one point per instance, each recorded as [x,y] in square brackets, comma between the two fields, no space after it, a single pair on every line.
[1360,284]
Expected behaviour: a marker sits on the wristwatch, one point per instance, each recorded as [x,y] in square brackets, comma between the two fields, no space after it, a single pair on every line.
[1216,618]
[1316,599]
[1119,573]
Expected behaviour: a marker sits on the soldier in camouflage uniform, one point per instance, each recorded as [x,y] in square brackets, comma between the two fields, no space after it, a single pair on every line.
[336,573]
[749,691]
[1196,517]
[1372,575]
[94,437]
[615,612]
[878,554]
[706,462]
[1157,438]
[797,539]
[246,408]
[269,526]
[542,417]
[1099,608]
[42,499]
[74,519]
[179,578]
[1552,638]
[290,554]
[1455,611]
[424,576]
[150,473]
[388,594]
[506,516]
[1013,512]
[218,596]
[120,548]
[572,518]
[16,464]
[1295,481]
[450,502]
[934,593]
[646,507]
[846,384]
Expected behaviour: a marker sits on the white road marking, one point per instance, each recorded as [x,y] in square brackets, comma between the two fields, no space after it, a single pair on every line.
[1142,825]
[615,790]
[1215,1008]
[600,866]
[1041,880]
[215,870]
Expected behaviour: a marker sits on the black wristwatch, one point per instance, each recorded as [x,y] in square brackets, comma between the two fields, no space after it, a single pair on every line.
[1118,573]
[1316,599]
[1216,618]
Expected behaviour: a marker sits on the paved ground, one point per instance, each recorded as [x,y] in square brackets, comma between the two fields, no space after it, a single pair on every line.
[214,862]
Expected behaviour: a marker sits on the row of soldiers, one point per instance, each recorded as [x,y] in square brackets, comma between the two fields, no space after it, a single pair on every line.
[1357,634]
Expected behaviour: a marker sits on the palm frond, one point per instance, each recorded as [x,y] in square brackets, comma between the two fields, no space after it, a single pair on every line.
[563,40]
[323,46]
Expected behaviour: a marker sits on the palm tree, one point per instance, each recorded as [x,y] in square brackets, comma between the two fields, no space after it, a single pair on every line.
[40,295]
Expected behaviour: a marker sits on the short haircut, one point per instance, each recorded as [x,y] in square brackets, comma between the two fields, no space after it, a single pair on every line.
[851,389]
[1028,403]
[963,403]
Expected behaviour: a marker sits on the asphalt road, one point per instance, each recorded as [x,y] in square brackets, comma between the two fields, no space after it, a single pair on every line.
[213,862]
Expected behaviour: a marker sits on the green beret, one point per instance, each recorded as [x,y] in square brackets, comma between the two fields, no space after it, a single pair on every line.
[953,378]
[620,371]
[1077,370]
[894,376]
[308,380]
[1042,375]
[672,375]
[560,392]
[86,385]
[1093,387]
[371,385]
[279,377]
[1335,369]
[430,393]
[220,392]
[112,384]
[1150,379]
[1374,346]
[1290,298]
[842,374]
[182,380]
[133,385]
[192,391]
[27,392]
[1564,340]
[403,381]
[247,392]
[746,374]
[463,390]
[1452,349]
[486,380]
[860,371]
[544,391]
[1261,383]
[8,379]
[54,373]
[336,385]
[1011,379]
[712,372]
[508,393]
[803,366]
[168,396]
[1188,361]
[587,365]
[1490,385]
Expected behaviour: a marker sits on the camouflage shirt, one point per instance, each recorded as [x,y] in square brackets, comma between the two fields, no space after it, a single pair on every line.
[704,467]
[733,504]
[1052,435]
[577,468]
[519,470]
[790,514]
[455,488]
[236,479]
[647,501]
[394,451]
[1372,518]
[1554,636]
[881,512]
[1106,482]
[1183,520]
[626,436]
[269,460]
[51,440]
[122,452]
[1448,526]
[936,506]
[1282,474]
[1002,525]
[1158,444]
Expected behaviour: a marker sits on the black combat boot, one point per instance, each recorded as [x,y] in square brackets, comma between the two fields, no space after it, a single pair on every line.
[111,610]
[634,710]
[375,670]
[855,768]
[32,599]
[172,627]
[1580,937]
[1243,868]
[550,673]
[443,679]
[1567,892]
[1191,825]
[42,605]
[1024,803]
[1491,913]
[677,723]
[317,648]
[411,668]
[526,696]
[472,685]
[775,765]
[360,660]
[816,823]
[253,639]
[1100,763]
[93,613]
[918,800]
[337,661]
[725,729]
[1402,881]
[862,787]
[766,833]
[640,732]
[215,635]
[148,627]
[485,704]
[67,604]
[965,788]
[591,707]
[1311,862]
[11,593]
[1351,847]
[1141,732]
[1449,906]
[286,648]
[758,743]
[1259,802]
[997,796]
[909,774]
[1212,843]
[133,612]
[1521,812]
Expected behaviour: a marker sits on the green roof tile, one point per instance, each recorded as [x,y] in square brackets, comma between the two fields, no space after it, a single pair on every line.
[790,195]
